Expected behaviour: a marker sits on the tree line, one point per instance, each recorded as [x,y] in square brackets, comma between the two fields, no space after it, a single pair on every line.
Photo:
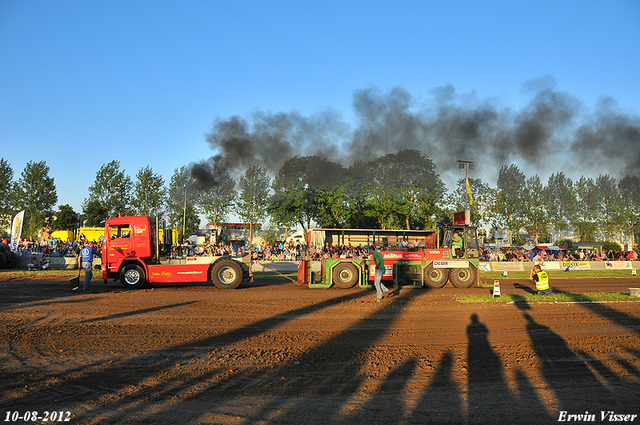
[396,191]
[594,209]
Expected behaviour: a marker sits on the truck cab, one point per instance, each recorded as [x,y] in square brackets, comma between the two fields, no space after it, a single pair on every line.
[133,253]
[125,239]
[469,238]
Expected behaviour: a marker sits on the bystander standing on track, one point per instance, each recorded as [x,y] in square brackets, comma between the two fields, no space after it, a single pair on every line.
[381,290]
[85,261]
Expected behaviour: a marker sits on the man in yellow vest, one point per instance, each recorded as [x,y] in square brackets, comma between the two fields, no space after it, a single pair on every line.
[541,278]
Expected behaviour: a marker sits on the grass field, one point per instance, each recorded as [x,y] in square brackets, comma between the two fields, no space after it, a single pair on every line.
[577,274]
[610,296]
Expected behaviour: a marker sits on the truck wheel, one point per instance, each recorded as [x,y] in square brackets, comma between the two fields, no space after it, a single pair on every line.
[12,260]
[345,275]
[132,276]
[462,278]
[434,278]
[226,274]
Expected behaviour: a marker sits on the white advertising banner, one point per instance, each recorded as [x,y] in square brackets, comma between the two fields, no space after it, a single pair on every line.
[16,229]
[511,266]
[618,265]
[444,264]
[576,265]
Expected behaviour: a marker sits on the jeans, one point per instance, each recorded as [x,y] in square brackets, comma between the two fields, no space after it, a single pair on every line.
[88,274]
[380,288]
[547,291]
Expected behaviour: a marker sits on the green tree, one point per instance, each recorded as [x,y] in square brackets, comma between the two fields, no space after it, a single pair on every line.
[192,222]
[36,194]
[381,203]
[254,197]
[483,206]
[66,218]
[327,192]
[536,213]
[111,189]
[216,202]
[360,214]
[560,201]
[270,235]
[401,188]
[149,193]
[7,187]
[93,213]
[333,206]
[428,211]
[295,190]
[608,207]
[584,219]
[510,205]
[181,201]
[629,187]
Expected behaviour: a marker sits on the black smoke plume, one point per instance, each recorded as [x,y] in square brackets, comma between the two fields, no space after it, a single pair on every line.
[203,175]
[609,140]
[553,132]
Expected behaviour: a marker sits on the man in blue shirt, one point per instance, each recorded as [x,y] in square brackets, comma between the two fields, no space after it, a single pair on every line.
[85,261]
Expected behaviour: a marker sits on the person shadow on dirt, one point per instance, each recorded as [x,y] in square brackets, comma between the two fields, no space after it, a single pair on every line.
[442,401]
[486,373]
[525,288]
[557,363]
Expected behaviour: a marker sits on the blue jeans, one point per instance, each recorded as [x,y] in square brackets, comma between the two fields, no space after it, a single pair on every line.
[88,274]
[547,291]
[380,288]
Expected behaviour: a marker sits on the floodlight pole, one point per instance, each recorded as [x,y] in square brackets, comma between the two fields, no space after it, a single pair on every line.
[467,165]
[184,214]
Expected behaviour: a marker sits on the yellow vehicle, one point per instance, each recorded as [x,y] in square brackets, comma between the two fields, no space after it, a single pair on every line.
[90,233]
[63,235]
[174,235]
[97,234]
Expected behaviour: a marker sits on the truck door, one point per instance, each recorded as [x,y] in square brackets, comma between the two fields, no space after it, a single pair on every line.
[120,243]
[471,242]
[450,237]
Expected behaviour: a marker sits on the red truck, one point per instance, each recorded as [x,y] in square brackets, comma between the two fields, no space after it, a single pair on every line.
[133,253]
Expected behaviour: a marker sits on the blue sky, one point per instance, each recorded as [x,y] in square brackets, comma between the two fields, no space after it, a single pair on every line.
[86,82]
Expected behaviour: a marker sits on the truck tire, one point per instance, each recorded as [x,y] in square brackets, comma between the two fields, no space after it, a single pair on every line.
[226,274]
[345,275]
[462,278]
[132,276]
[12,260]
[434,278]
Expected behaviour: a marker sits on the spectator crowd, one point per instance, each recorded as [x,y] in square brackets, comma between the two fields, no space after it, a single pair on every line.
[292,251]
[540,255]
[284,251]
[54,247]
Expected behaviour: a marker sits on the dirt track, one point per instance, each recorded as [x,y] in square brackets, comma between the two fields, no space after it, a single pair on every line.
[273,352]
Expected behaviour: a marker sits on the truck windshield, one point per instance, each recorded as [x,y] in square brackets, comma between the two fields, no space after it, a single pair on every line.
[472,238]
[119,231]
[447,239]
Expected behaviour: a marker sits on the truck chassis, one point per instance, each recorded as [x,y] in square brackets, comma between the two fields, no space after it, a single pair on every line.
[431,266]
[420,271]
